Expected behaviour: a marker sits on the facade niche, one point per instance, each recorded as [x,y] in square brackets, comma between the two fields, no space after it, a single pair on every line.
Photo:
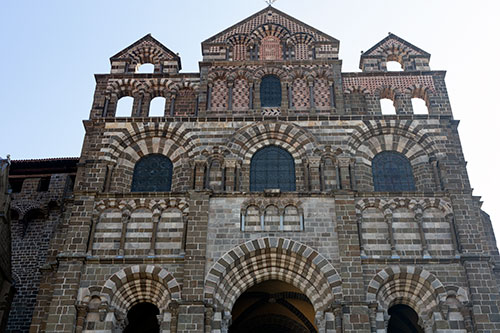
[270,48]
[272,216]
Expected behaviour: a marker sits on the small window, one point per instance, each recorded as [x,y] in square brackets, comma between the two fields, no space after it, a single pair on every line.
[124,107]
[394,66]
[270,91]
[392,172]
[157,107]
[152,173]
[43,185]
[16,184]
[387,106]
[145,68]
[419,106]
[272,168]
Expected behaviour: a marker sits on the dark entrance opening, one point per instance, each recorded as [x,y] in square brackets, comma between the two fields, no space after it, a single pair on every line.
[403,320]
[142,319]
[273,307]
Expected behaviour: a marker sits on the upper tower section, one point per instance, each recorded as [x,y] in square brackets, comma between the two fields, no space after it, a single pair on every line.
[394,48]
[146,50]
[270,35]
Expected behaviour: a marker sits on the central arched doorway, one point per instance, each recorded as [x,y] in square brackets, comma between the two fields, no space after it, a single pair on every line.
[403,320]
[142,319]
[273,306]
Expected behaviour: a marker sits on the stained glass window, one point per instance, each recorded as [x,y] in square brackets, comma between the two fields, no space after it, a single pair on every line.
[152,173]
[392,172]
[272,168]
[270,91]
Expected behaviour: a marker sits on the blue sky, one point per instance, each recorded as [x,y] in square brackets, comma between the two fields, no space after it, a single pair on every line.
[51,49]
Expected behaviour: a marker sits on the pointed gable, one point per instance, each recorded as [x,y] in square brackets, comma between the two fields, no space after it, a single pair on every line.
[246,36]
[146,50]
[394,48]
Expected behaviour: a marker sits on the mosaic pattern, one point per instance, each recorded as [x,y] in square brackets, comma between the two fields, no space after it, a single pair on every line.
[219,95]
[241,95]
[321,94]
[269,16]
[373,83]
[300,94]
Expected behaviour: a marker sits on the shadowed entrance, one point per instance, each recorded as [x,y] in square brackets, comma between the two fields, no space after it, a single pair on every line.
[273,306]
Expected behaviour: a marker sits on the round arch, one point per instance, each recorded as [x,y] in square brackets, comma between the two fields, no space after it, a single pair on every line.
[141,283]
[408,285]
[270,258]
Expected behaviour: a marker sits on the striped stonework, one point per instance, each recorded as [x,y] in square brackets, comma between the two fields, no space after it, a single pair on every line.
[412,286]
[272,259]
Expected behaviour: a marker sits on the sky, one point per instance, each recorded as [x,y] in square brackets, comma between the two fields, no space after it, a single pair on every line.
[51,50]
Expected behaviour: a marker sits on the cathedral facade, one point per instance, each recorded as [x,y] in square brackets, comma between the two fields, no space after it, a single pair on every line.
[272,193]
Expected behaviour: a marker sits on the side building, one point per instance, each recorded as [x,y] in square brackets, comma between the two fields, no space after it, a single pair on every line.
[271,193]
[6,285]
[41,197]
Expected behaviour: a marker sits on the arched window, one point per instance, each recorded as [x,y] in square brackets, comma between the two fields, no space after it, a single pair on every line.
[419,106]
[392,172]
[124,106]
[272,168]
[152,173]
[387,106]
[145,68]
[403,319]
[394,66]
[157,107]
[270,91]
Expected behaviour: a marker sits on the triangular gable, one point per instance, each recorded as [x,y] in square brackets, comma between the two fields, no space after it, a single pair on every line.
[149,43]
[249,24]
[394,42]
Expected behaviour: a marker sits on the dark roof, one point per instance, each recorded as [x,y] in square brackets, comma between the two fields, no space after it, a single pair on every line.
[43,166]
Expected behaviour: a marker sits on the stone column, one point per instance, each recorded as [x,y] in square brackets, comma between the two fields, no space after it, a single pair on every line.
[156,221]
[125,219]
[81,313]
[389,219]
[230,165]
[314,174]
[173,308]
[172,105]
[199,174]
[420,221]
[359,219]
[345,179]
[109,176]
[338,320]
[230,95]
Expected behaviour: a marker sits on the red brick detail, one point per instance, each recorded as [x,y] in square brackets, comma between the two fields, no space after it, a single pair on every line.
[371,83]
